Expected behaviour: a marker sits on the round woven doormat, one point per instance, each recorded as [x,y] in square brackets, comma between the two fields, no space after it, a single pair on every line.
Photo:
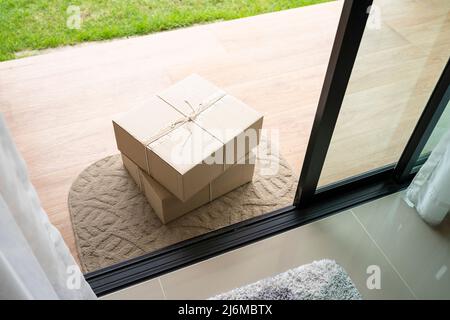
[113,222]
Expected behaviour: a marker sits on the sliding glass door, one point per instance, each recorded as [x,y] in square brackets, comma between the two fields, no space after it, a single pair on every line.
[431,127]
[403,51]
[441,128]
[386,66]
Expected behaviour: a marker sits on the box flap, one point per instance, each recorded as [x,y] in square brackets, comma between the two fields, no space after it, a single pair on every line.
[228,118]
[186,146]
[146,121]
[189,93]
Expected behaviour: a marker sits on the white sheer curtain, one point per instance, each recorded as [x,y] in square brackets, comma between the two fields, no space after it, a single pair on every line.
[35,263]
[429,192]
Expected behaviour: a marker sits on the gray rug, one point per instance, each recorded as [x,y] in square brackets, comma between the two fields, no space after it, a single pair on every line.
[320,280]
[112,220]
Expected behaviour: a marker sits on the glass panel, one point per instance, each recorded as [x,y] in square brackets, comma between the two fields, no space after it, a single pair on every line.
[442,126]
[403,51]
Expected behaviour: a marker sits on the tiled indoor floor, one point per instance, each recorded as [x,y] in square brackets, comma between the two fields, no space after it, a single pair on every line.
[413,257]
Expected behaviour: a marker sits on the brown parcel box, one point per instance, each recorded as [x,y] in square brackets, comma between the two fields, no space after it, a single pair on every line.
[176,146]
[168,207]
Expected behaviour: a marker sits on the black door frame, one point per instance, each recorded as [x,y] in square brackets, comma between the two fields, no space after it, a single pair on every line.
[309,204]
[345,48]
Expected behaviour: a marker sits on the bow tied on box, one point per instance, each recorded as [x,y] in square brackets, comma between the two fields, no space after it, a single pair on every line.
[159,136]
[188,117]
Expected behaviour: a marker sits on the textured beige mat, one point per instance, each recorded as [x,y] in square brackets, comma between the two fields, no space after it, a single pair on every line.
[113,221]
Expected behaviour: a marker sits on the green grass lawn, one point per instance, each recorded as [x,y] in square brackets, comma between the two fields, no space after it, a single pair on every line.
[27,25]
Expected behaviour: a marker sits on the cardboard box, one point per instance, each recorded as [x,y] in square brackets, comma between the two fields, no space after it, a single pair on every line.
[188,135]
[168,207]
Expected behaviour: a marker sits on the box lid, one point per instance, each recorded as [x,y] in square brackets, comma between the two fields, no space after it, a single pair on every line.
[190,93]
[222,115]
[146,121]
[186,146]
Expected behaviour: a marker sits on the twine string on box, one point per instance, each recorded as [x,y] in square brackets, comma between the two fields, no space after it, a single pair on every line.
[202,106]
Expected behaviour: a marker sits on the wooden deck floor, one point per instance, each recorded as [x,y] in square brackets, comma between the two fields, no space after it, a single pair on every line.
[59,105]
